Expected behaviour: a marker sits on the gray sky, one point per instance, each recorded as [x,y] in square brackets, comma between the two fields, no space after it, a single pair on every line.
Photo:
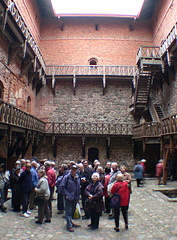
[122,7]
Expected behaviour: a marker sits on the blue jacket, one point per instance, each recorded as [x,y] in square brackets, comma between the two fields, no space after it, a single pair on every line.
[25,181]
[138,171]
[34,177]
[70,187]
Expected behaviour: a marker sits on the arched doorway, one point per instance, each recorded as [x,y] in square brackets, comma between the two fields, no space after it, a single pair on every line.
[93,154]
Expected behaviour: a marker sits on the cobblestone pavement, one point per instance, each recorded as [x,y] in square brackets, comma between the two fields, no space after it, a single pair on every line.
[151,216]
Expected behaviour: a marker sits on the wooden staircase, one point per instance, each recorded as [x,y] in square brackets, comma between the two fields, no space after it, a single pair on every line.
[142,89]
[159,111]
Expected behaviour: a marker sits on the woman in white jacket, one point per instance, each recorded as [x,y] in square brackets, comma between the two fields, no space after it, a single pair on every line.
[43,193]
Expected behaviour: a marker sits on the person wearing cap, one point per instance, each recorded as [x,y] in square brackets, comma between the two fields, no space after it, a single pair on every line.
[51,175]
[70,188]
[26,186]
[2,184]
[16,193]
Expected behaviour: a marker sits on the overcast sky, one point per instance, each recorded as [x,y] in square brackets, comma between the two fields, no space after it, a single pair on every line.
[123,7]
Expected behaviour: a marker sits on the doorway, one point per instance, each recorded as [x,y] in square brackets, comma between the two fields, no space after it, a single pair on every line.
[93,154]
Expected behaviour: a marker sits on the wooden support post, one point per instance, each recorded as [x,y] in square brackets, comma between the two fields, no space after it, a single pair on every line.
[108,147]
[104,80]
[53,84]
[74,84]
[83,147]
[165,162]
[24,49]
[55,147]
[168,58]
[144,145]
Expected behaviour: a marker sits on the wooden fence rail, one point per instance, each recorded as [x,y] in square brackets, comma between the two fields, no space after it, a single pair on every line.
[88,129]
[53,70]
[11,115]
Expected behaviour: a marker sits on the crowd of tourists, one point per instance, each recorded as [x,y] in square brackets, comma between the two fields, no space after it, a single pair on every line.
[96,189]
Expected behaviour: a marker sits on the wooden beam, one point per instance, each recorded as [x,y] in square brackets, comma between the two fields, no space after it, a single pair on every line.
[74,84]
[83,147]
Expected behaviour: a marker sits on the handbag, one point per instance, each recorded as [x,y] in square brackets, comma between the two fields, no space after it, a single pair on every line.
[115,201]
[38,200]
[90,204]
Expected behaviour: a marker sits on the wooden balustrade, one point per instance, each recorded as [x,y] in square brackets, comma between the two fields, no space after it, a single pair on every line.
[88,129]
[169,125]
[11,115]
[53,70]
[12,8]
[166,126]
[169,39]
[148,52]
[147,129]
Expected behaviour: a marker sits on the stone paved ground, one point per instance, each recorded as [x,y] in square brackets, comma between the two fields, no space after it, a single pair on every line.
[151,216]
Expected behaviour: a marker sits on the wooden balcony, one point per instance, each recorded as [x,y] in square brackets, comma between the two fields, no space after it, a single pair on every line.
[88,129]
[170,39]
[90,70]
[74,72]
[11,115]
[167,126]
[149,58]
[11,10]
[147,129]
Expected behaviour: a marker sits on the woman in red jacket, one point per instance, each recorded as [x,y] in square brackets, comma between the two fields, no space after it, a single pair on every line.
[123,190]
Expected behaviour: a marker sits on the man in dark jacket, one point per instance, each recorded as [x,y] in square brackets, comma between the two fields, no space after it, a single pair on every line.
[85,180]
[70,188]
[26,186]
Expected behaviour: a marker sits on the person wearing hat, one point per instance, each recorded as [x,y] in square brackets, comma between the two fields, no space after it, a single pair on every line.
[70,188]
[26,186]
[16,193]
[2,184]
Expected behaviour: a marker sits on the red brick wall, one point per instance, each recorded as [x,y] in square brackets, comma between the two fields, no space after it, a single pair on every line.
[16,88]
[31,16]
[112,44]
[164,19]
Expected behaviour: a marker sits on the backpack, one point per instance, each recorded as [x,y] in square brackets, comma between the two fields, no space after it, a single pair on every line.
[137,168]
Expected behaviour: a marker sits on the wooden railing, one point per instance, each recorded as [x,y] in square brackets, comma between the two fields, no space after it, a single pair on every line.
[88,129]
[53,70]
[166,126]
[148,52]
[147,129]
[169,125]
[169,39]
[12,8]
[11,115]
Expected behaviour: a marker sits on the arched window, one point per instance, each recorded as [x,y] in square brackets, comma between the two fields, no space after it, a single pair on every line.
[1,90]
[93,61]
[29,104]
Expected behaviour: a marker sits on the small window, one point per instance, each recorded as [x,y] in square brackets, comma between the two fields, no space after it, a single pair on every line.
[93,62]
